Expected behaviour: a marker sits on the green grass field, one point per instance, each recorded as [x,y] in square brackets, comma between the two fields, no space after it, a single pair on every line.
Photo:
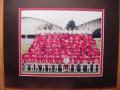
[98,42]
[25,48]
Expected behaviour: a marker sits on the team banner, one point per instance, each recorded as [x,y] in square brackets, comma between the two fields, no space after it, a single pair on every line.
[61,42]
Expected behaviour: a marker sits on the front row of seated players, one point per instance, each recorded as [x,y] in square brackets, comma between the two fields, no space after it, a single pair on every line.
[77,66]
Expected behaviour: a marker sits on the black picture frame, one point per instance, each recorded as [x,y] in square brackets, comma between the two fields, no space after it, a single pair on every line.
[11,57]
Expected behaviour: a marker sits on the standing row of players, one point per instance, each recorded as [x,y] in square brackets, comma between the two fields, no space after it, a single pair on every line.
[81,67]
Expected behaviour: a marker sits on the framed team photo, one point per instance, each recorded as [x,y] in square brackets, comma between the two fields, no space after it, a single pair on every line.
[61,42]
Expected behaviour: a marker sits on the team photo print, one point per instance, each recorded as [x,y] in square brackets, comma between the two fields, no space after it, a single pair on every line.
[61,42]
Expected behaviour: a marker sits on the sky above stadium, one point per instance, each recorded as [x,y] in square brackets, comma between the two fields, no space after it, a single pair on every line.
[61,18]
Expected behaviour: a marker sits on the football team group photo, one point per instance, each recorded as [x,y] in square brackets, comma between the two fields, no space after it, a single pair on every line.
[61,42]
